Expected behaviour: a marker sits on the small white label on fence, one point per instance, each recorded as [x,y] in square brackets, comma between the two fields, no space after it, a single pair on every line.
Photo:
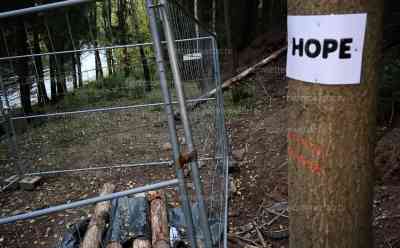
[326,49]
[192,56]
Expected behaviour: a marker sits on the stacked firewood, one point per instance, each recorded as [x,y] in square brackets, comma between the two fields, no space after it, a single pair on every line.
[158,218]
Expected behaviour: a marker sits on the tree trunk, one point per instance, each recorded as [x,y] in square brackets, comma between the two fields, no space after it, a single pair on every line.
[79,69]
[159,219]
[110,62]
[265,16]
[331,140]
[73,71]
[42,93]
[250,22]
[139,35]
[61,81]
[99,67]
[236,91]
[188,5]
[141,243]
[22,69]
[98,222]
[214,16]
[107,22]
[53,78]
[122,34]
[228,28]
[146,71]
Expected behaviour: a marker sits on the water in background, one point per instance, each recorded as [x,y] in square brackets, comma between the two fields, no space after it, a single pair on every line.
[88,67]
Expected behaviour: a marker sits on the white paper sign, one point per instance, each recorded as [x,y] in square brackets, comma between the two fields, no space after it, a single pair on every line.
[192,56]
[326,49]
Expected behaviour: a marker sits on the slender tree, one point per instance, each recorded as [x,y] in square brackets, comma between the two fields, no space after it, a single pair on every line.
[42,93]
[79,69]
[22,67]
[139,37]
[73,71]
[122,34]
[331,143]
[214,16]
[229,40]
[61,79]
[107,26]
[53,78]
[93,29]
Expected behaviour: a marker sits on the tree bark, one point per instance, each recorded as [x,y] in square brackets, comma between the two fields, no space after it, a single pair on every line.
[232,46]
[143,58]
[79,69]
[42,93]
[107,20]
[141,243]
[228,28]
[265,16]
[159,219]
[73,71]
[114,244]
[98,64]
[146,71]
[61,80]
[331,140]
[214,16]
[99,67]
[22,69]
[98,222]
[110,62]
[53,78]
[122,34]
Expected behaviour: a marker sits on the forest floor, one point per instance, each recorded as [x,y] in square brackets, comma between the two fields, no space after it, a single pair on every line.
[120,138]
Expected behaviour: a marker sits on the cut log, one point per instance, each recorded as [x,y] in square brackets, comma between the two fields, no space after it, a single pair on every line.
[249,70]
[97,223]
[114,244]
[141,243]
[237,78]
[159,220]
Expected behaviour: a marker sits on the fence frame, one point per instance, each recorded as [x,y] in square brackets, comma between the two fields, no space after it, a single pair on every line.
[179,182]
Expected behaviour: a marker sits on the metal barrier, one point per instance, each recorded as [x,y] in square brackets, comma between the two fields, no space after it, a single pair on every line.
[199,136]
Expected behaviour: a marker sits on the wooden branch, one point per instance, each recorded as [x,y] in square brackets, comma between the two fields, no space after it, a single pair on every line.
[159,219]
[97,223]
[259,234]
[249,70]
[141,243]
[238,77]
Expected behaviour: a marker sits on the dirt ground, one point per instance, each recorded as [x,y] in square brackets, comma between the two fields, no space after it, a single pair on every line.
[94,140]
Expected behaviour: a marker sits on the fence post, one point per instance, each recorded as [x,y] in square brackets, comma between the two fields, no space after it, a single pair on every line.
[224,150]
[186,124]
[171,123]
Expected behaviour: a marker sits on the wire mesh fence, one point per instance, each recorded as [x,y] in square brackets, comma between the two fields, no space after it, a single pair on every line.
[83,106]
